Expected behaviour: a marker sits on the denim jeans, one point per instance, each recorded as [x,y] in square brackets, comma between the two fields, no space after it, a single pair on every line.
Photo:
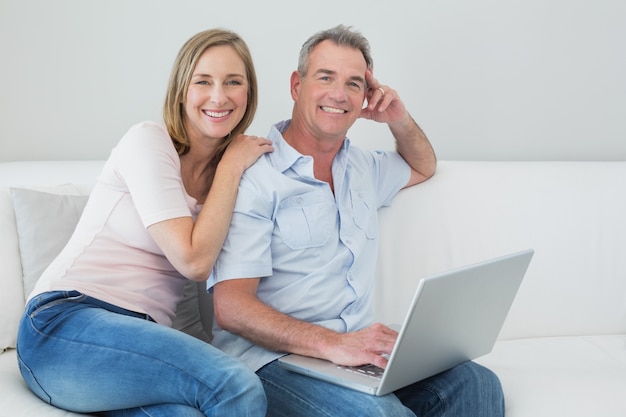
[468,390]
[81,354]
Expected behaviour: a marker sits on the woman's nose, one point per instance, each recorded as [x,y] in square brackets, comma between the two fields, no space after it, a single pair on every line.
[217,95]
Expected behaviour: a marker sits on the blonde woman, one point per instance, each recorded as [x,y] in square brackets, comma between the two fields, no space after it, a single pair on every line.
[96,335]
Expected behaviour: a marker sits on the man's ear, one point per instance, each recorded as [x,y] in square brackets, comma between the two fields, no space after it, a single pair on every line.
[295,82]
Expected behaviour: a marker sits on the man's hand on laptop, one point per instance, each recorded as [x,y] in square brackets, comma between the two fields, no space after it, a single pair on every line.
[371,345]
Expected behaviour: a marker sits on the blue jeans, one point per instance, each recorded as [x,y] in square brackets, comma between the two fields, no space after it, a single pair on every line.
[81,354]
[468,390]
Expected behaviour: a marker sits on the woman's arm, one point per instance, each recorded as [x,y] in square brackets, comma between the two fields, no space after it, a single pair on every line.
[192,247]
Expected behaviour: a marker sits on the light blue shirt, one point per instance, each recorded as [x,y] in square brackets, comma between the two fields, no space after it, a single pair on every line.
[314,251]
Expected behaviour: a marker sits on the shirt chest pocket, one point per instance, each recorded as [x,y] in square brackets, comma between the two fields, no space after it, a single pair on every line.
[306,221]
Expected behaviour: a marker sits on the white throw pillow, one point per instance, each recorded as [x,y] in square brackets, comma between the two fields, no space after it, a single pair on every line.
[11,280]
[11,288]
[46,221]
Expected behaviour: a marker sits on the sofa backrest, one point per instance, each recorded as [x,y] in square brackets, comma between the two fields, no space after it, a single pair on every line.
[572,213]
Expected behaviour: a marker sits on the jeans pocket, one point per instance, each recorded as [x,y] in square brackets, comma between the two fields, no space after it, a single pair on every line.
[45,310]
[45,301]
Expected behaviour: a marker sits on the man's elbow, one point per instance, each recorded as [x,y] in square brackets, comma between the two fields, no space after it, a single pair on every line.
[429,170]
[221,313]
[422,175]
[228,306]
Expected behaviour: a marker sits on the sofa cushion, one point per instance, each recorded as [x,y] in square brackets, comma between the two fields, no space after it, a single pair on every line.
[12,294]
[571,213]
[16,400]
[561,376]
[45,222]
[195,311]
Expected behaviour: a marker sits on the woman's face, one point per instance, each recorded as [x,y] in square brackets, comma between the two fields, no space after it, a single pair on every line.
[217,96]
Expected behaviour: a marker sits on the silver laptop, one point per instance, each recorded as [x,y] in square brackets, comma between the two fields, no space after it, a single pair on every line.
[454,317]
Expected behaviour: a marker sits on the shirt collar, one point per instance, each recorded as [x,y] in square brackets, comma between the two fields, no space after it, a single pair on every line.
[285,156]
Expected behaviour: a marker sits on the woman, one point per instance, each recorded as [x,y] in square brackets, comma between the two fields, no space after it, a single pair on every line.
[96,335]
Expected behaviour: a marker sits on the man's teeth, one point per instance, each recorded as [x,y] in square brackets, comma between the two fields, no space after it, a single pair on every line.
[217,114]
[332,110]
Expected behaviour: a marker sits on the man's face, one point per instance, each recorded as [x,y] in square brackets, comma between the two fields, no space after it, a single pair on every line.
[330,97]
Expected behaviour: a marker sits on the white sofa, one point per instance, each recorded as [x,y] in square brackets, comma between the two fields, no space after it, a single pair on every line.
[562,350]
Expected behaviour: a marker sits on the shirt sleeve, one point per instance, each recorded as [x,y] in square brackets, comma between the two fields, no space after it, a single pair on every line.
[246,252]
[391,174]
[147,165]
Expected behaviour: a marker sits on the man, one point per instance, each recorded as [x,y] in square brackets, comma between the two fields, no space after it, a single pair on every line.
[296,273]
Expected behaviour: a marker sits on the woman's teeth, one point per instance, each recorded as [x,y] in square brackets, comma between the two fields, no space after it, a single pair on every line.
[217,114]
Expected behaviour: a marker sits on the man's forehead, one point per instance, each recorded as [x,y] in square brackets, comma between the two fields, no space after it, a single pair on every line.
[333,58]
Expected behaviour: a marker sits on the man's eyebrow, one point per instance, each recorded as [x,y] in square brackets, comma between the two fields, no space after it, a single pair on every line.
[325,71]
[331,72]
[358,78]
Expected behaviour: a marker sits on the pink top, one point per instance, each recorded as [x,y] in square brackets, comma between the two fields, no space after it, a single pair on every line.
[111,256]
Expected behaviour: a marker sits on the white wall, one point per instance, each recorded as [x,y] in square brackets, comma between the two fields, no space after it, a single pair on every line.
[486,79]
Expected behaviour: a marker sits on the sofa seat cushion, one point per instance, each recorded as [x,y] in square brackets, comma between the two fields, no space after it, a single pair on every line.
[16,399]
[561,376]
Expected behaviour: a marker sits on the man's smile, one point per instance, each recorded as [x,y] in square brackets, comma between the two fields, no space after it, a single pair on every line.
[332,110]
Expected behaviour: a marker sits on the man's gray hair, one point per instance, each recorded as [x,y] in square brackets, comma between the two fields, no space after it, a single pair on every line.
[340,35]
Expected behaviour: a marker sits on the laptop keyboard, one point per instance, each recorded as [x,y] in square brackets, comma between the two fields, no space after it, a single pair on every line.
[371,371]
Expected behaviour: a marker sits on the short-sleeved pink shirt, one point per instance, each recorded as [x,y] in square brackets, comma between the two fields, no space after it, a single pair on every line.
[111,255]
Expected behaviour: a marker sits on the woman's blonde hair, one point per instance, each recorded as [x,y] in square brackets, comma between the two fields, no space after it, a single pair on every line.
[180,78]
